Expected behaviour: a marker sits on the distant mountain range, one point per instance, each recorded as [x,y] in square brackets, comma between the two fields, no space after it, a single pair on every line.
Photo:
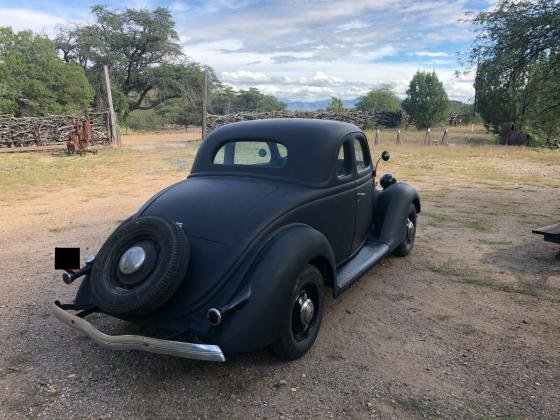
[315,105]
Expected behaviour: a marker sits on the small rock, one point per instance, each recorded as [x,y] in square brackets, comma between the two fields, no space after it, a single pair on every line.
[370,406]
[72,376]
[525,321]
[293,389]
[280,384]
[303,375]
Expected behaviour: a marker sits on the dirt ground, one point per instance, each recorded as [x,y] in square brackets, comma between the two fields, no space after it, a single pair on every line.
[467,326]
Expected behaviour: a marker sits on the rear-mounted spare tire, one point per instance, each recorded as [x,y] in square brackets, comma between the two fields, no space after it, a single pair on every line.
[139,267]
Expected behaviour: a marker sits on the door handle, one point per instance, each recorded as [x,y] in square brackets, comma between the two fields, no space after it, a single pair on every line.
[361,194]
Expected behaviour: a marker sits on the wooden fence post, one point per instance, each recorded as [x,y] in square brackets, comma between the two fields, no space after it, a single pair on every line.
[399,139]
[377,139]
[444,139]
[204,104]
[115,138]
[428,138]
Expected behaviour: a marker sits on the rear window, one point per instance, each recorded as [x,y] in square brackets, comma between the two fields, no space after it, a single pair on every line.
[253,153]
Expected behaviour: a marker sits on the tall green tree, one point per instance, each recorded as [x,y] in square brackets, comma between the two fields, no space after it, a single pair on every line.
[141,49]
[35,81]
[426,100]
[517,54]
[381,99]
[226,100]
[335,105]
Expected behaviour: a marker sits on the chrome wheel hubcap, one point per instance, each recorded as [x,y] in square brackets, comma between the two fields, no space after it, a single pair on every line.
[306,312]
[303,315]
[132,260]
[409,230]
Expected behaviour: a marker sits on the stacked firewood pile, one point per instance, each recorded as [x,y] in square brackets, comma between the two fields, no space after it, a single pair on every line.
[46,131]
[361,119]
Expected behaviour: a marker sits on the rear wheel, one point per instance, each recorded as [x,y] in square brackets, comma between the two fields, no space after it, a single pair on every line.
[410,226]
[303,315]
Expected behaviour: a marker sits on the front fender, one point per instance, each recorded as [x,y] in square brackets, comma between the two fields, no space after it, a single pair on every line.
[257,323]
[391,210]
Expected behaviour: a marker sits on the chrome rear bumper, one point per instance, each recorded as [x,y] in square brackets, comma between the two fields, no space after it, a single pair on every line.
[136,342]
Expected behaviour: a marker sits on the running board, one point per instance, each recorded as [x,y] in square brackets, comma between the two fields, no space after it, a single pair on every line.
[366,258]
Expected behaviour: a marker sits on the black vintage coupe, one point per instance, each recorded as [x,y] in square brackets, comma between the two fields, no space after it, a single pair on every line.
[237,257]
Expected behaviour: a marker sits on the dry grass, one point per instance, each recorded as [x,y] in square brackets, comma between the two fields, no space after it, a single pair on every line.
[31,174]
[464,164]
[472,135]
[435,168]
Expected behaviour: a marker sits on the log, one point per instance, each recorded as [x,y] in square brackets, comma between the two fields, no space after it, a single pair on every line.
[45,131]
[360,118]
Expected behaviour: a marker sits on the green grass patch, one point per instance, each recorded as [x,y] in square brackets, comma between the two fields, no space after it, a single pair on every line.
[17,359]
[419,407]
[453,221]
[471,277]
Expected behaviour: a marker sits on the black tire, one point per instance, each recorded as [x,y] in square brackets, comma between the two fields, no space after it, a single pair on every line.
[293,343]
[406,247]
[149,288]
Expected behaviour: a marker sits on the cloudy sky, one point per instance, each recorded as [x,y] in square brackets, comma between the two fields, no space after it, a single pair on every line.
[300,50]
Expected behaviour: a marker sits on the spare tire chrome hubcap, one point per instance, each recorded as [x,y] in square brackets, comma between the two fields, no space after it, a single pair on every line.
[132,260]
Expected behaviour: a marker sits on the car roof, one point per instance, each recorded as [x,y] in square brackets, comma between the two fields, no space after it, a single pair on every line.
[312,146]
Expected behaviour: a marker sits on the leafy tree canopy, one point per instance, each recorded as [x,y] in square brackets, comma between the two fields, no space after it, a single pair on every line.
[517,52]
[35,81]
[226,100]
[426,100]
[381,99]
[335,105]
[223,100]
[140,47]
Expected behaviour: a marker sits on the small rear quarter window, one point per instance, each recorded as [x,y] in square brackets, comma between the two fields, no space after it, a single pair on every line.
[253,153]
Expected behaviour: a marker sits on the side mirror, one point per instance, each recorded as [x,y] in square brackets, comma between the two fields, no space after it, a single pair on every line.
[385,156]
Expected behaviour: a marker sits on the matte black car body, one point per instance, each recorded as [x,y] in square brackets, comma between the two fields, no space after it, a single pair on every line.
[251,229]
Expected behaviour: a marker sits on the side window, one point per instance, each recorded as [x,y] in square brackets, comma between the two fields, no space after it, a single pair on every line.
[343,163]
[362,161]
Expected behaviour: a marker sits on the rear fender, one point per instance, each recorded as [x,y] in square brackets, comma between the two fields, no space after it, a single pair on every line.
[271,278]
[391,210]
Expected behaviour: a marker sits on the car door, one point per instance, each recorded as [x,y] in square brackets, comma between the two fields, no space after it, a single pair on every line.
[339,208]
[363,192]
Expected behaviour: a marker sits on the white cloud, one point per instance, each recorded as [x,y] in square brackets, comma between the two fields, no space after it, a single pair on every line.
[430,54]
[313,49]
[24,19]
[179,7]
[243,76]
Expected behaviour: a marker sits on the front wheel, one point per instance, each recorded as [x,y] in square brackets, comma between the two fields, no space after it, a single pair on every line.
[302,316]
[410,226]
